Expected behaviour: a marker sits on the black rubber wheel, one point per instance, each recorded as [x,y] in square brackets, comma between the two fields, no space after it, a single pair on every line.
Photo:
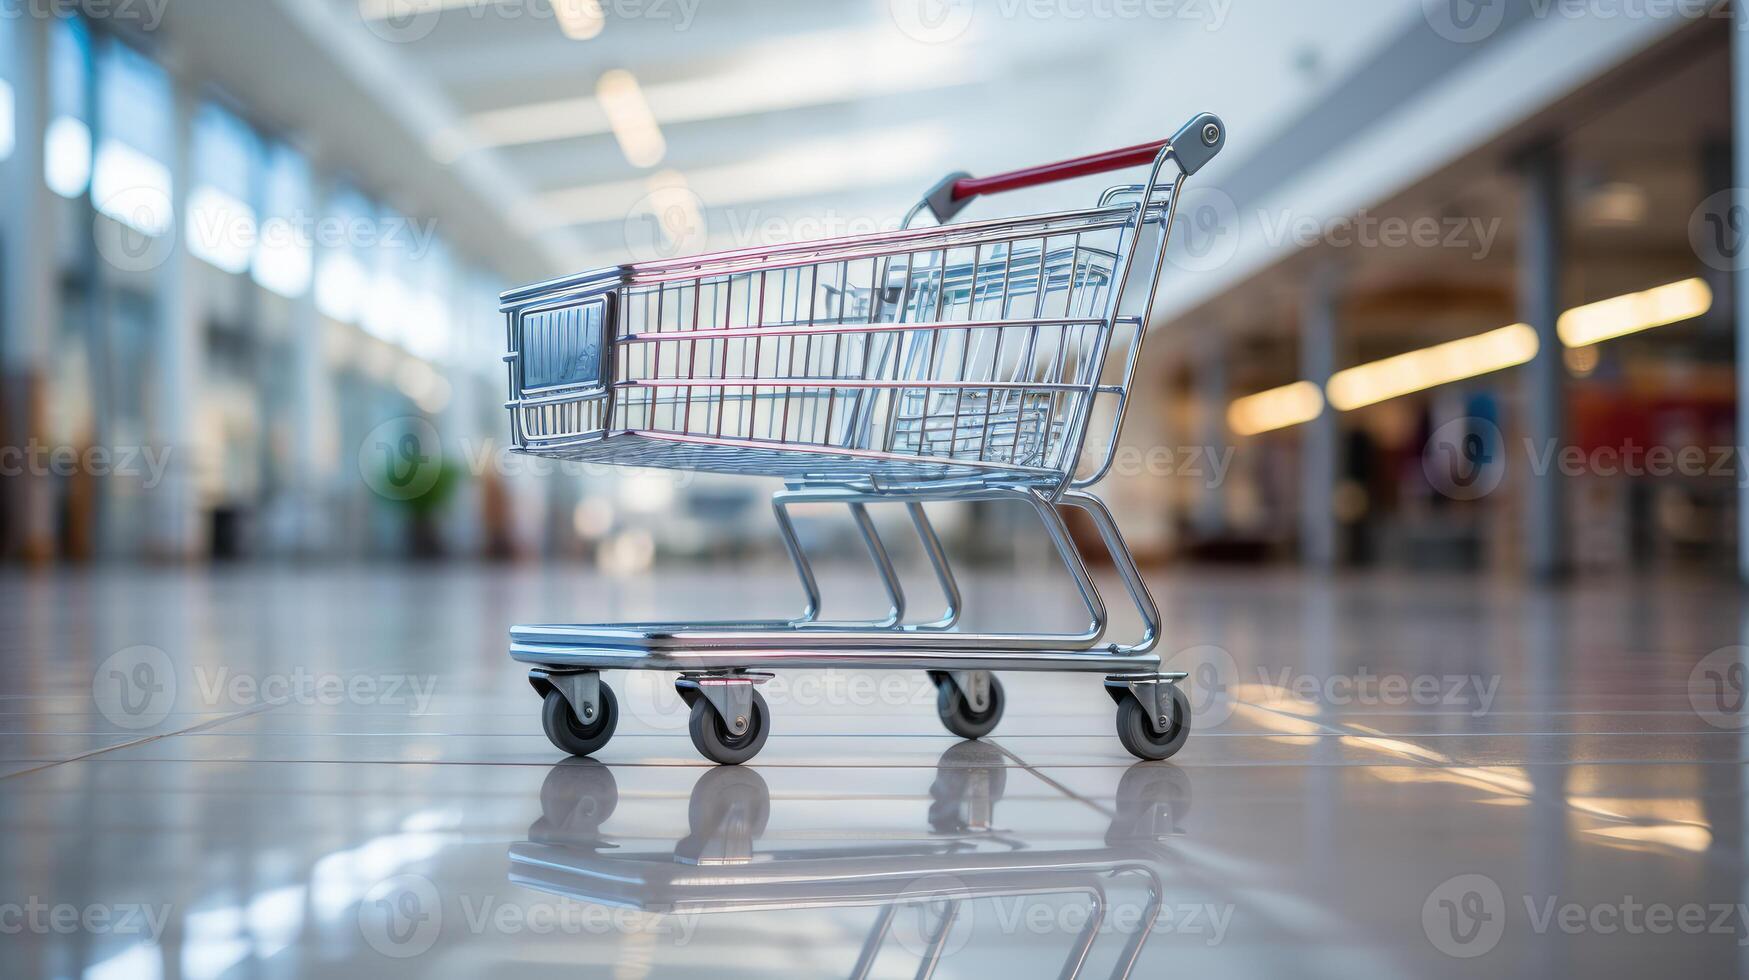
[565,730]
[711,735]
[958,716]
[1139,736]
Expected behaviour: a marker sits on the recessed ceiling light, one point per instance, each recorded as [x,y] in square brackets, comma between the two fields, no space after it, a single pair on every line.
[580,20]
[634,125]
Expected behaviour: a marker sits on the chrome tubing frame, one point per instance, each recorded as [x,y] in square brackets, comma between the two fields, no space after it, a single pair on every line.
[908,433]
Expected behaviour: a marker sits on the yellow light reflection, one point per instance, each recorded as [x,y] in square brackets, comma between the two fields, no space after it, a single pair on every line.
[1631,823]
[1277,722]
[1683,837]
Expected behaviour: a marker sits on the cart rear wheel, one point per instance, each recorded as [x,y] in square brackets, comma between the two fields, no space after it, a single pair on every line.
[1137,733]
[957,714]
[711,735]
[565,730]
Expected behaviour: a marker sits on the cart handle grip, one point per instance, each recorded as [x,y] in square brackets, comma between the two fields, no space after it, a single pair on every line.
[1192,146]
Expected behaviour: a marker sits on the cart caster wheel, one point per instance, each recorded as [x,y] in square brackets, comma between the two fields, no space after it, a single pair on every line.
[565,730]
[958,716]
[1139,736]
[711,735]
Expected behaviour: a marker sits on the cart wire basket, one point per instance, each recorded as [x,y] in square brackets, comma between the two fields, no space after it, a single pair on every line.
[950,362]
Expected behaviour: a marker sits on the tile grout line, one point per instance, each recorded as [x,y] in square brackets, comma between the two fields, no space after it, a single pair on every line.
[211,723]
[1052,783]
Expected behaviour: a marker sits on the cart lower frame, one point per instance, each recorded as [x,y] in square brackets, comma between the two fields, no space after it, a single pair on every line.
[721,664]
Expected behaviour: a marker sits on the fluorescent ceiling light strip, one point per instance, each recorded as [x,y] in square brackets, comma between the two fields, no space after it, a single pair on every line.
[580,20]
[1621,315]
[1369,384]
[634,126]
[1276,408]
[1469,357]
[874,158]
[838,67]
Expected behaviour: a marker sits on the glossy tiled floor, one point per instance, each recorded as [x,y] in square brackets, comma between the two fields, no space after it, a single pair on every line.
[274,773]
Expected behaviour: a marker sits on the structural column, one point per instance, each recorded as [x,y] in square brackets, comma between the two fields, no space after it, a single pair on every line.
[1320,448]
[1544,378]
[1740,307]
[313,399]
[29,292]
[1211,395]
[175,530]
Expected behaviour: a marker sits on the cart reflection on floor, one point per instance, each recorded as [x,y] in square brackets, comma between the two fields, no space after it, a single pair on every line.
[919,884]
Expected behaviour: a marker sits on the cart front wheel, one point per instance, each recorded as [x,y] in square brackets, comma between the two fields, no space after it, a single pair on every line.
[1138,735]
[957,714]
[565,730]
[711,735]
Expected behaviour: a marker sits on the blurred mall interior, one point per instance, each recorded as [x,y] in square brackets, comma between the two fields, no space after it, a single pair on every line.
[241,238]
[1431,461]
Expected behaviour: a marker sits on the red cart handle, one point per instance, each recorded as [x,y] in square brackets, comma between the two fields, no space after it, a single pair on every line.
[1193,146]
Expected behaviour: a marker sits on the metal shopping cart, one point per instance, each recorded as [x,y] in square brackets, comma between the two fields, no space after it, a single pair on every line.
[954,362]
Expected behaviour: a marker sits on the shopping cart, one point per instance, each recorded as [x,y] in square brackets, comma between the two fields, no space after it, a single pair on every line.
[955,362]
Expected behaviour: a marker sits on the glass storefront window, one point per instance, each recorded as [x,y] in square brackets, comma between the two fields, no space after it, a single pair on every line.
[426,331]
[129,181]
[341,279]
[222,228]
[8,125]
[67,138]
[283,253]
[388,258]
